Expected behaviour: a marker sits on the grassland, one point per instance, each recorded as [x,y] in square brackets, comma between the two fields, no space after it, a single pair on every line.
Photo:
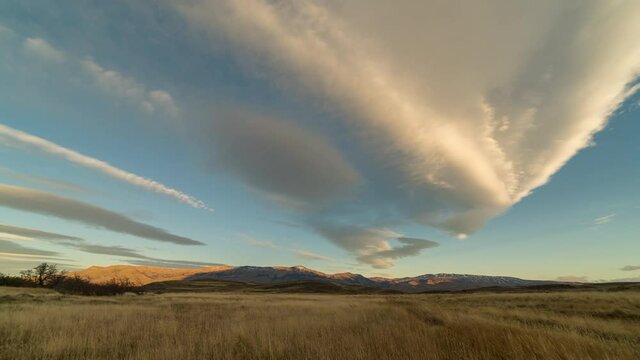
[41,324]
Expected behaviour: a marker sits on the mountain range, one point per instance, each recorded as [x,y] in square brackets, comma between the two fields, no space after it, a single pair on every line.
[260,275]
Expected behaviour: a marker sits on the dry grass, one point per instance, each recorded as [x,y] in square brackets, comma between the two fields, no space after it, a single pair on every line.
[38,324]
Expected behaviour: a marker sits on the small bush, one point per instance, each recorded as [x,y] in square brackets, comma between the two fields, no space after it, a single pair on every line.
[77,285]
[8,280]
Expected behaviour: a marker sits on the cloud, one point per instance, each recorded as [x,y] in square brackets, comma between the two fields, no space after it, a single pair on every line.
[48,204]
[257,242]
[462,121]
[8,248]
[37,180]
[572,278]
[42,49]
[163,101]
[357,239]
[15,264]
[603,219]
[111,82]
[303,254]
[9,135]
[171,263]
[630,268]
[36,234]
[288,163]
[372,245]
[135,254]
[15,250]
[410,247]
[9,236]
[310,256]
[118,85]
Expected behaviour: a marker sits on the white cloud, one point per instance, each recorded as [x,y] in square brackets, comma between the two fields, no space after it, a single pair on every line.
[111,82]
[163,101]
[42,49]
[9,135]
[604,219]
[466,120]
[7,236]
[310,255]
[129,89]
[257,242]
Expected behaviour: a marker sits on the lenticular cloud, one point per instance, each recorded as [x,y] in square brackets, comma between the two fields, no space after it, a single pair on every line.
[468,120]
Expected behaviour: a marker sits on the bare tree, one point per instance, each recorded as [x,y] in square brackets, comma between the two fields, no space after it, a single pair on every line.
[43,274]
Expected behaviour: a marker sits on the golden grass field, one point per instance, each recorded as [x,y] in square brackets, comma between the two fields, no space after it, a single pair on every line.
[42,324]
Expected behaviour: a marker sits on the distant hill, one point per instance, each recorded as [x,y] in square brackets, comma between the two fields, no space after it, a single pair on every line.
[264,277]
[141,274]
[307,286]
[454,282]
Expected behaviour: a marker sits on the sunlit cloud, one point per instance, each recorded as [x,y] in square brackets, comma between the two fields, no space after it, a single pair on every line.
[462,131]
[8,236]
[10,136]
[302,254]
[308,255]
[373,246]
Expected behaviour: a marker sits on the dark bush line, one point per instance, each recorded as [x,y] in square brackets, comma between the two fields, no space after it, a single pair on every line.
[47,276]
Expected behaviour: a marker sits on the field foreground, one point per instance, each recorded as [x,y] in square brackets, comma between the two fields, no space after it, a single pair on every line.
[41,324]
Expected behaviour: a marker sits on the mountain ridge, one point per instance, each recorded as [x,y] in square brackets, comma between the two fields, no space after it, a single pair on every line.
[266,275]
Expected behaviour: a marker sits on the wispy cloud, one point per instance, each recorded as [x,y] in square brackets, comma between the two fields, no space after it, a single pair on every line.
[9,236]
[111,82]
[630,268]
[138,258]
[42,49]
[9,135]
[572,278]
[119,85]
[603,219]
[171,263]
[408,247]
[37,234]
[38,180]
[302,254]
[310,255]
[49,204]
[372,246]
[9,248]
[257,242]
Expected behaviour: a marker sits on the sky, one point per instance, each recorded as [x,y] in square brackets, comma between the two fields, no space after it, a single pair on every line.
[382,138]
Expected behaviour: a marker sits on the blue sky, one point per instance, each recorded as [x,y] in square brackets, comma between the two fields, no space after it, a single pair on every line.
[330,135]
